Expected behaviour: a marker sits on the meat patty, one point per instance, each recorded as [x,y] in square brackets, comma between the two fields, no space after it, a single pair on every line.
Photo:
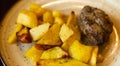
[95,26]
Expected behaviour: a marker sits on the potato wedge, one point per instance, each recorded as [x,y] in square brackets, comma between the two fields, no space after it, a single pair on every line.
[57,14]
[59,20]
[24,30]
[48,17]
[73,24]
[65,32]
[60,62]
[37,9]
[93,59]
[68,42]
[39,31]
[18,27]
[80,52]
[72,20]
[53,53]
[33,54]
[27,18]
[51,37]
[12,38]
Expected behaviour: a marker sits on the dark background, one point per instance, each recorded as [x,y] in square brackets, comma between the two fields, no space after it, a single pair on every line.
[5,5]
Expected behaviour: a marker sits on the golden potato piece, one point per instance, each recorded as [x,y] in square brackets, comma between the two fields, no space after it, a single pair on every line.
[48,17]
[68,42]
[18,27]
[93,59]
[80,52]
[72,20]
[65,32]
[60,62]
[39,31]
[53,53]
[33,54]
[12,38]
[23,31]
[27,18]
[73,24]
[59,20]
[57,14]
[37,9]
[51,37]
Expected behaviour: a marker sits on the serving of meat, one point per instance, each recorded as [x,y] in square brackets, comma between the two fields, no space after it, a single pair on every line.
[95,26]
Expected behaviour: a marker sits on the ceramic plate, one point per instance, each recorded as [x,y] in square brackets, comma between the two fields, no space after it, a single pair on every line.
[13,54]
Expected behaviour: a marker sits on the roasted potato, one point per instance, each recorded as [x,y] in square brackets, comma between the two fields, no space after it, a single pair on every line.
[68,42]
[80,51]
[65,32]
[37,9]
[27,18]
[51,37]
[12,38]
[53,53]
[39,31]
[33,54]
[48,17]
[59,20]
[18,27]
[57,14]
[72,24]
[93,59]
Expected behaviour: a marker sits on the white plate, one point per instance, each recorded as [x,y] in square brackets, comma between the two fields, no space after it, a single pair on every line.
[13,54]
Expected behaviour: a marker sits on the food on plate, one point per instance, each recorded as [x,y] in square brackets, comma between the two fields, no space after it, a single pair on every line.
[48,17]
[80,51]
[95,26]
[37,9]
[39,31]
[93,58]
[72,23]
[33,54]
[65,32]
[27,18]
[53,53]
[57,14]
[59,20]
[59,40]
[51,37]
[13,37]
